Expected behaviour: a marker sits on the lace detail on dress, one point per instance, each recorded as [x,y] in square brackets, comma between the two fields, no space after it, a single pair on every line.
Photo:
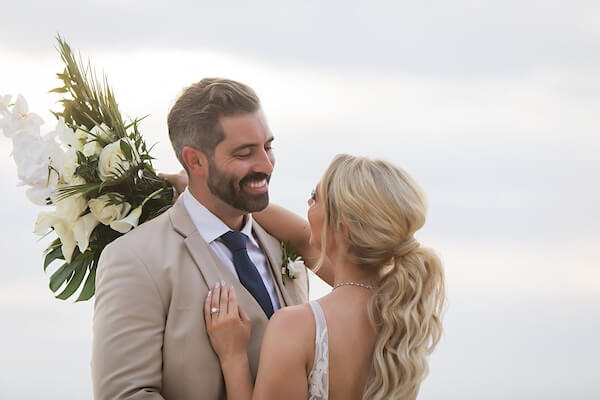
[318,379]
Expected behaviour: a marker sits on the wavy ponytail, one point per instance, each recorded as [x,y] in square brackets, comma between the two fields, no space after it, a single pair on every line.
[406,311]
[382,207]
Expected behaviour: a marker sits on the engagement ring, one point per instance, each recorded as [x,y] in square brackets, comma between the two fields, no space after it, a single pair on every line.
[214,310]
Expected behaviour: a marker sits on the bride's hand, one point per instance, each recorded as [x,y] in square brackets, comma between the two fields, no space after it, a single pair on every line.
[178,180]
[229,327]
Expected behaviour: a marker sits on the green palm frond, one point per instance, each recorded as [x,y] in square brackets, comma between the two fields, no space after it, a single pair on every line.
[92,102]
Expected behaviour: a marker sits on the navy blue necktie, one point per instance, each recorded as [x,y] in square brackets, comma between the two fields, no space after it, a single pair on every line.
[246,270]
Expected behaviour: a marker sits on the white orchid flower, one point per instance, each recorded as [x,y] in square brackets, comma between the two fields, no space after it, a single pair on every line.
[82,230]
[36,158]
[129,222]
[4,103]
[39,195]
[20,119]
[68,137]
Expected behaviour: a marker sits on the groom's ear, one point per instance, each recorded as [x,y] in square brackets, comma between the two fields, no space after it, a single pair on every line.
[195,160]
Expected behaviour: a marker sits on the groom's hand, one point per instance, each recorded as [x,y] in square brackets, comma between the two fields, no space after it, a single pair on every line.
[227,324]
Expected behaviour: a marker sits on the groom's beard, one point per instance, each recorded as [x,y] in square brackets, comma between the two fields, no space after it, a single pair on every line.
[228,189]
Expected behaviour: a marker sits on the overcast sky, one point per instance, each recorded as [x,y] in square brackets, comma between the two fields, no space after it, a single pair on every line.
[492,106]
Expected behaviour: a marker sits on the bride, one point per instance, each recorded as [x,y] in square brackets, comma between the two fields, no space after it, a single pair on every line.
[370,337]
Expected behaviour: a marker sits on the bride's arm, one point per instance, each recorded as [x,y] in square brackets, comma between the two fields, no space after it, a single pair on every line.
[280,223]
[229,334]
[284,357]
[290,228]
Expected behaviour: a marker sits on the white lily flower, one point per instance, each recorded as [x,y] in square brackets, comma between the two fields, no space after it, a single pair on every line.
[70,208]
[44,222]
[129,222]
[82,230]
[64,231]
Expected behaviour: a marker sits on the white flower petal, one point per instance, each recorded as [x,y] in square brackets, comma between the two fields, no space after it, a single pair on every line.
[39,195]
[71,208]
[108,213]
[111,159]
[64,230]
[82,230]
[126,224]
[8,126]
[92,148]
[44,222]
[65,134]
[4,102]
[21,107]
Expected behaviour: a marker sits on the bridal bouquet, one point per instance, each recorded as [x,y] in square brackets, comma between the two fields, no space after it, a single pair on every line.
[93,170]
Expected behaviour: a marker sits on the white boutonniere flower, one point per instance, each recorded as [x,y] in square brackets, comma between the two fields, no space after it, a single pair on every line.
[291,264]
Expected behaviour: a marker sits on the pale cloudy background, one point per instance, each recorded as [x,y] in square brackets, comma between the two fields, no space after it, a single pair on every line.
[492,105]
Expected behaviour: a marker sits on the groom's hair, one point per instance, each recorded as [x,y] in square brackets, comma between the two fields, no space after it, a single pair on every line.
[194,118]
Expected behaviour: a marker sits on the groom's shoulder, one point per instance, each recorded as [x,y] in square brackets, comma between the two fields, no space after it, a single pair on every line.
[263,234]
[149,236]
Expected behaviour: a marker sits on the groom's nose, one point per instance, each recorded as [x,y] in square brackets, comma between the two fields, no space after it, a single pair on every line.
[264,162]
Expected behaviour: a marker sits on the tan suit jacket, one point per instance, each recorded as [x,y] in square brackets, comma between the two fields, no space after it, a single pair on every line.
[149,337]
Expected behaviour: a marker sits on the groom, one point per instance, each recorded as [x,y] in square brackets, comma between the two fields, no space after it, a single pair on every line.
[149,337]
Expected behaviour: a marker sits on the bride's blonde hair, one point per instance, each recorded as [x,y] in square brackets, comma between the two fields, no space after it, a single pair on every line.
[382,207]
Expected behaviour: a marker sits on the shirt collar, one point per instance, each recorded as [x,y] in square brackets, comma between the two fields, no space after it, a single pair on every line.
[208,224]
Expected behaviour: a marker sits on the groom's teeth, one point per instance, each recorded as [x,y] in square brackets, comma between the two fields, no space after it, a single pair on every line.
[257,184]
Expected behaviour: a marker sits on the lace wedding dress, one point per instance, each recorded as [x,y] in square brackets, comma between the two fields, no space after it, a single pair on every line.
[318,379]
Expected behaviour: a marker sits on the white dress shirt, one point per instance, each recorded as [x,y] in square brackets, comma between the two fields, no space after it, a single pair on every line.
[211,228]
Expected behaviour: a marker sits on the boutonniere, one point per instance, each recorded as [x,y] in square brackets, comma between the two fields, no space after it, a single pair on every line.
[291,263]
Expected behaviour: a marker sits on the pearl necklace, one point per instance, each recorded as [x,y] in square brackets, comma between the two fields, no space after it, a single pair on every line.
[362,285]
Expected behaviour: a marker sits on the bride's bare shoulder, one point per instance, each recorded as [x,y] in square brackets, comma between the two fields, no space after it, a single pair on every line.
[285,355]
[293,320]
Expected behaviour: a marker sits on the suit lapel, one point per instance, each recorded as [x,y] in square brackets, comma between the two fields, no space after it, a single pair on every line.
[209,265]
[272,249]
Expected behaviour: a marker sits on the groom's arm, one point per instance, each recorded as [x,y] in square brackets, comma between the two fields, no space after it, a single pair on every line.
[128,328]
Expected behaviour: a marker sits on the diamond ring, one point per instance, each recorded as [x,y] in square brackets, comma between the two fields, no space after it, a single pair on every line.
[214,310]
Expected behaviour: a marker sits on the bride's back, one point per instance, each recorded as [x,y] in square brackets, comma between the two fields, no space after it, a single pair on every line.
[351,340]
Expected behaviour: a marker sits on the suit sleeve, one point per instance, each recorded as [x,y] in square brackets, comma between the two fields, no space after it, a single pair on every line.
[128,328]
